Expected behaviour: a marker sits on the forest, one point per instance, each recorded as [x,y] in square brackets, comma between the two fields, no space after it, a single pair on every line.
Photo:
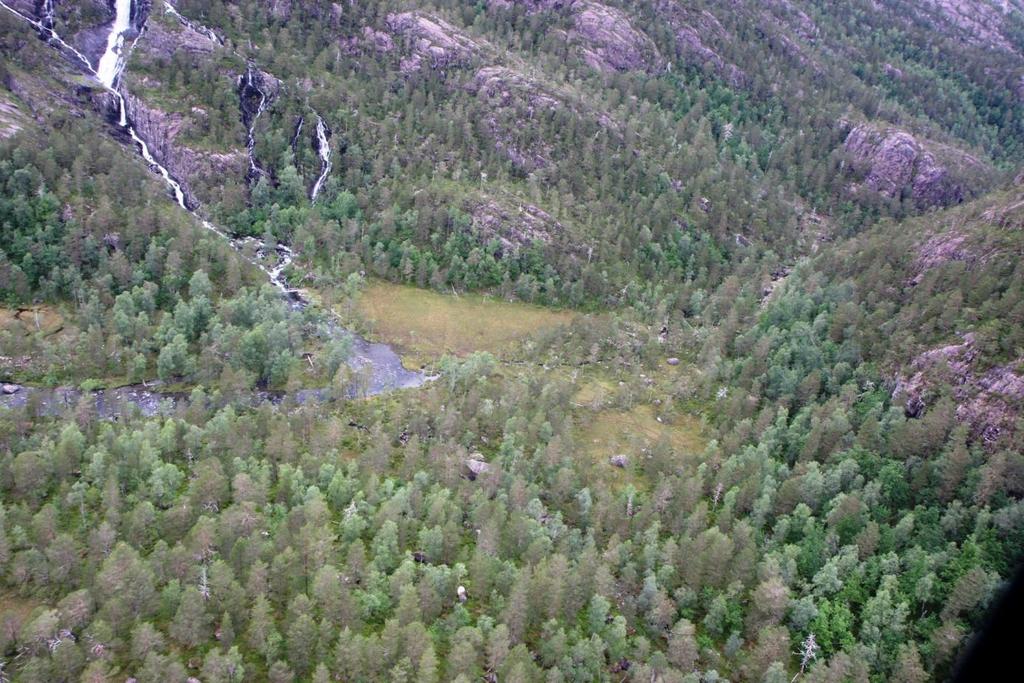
[704,359]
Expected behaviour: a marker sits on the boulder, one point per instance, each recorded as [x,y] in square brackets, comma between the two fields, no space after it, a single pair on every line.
[673,361]
[475,467]
[8,389]
[621,460]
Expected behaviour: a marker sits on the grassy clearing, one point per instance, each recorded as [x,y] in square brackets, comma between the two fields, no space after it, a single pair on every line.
[424,325]
[605,433]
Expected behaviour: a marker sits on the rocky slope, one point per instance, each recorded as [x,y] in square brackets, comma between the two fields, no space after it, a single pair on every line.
[429,41]
[989,399]
[696,34]
[198,171]
[514,225]
[608,41]
[895,162]
[982,23]
[514,101]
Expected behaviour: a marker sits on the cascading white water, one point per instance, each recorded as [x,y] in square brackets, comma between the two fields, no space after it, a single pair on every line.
[298,132]
[47,14]
[112,62]
[324,149]
[247,84]
[51,36]
[386,370]
[185,21]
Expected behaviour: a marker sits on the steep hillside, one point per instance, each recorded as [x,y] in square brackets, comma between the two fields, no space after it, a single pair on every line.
[514,340]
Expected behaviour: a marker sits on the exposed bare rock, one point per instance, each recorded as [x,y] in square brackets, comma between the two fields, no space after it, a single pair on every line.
[256,90]
[893,72]
[378,40]
[432,42]
[790,32]
[194,169]
[504,86]
[11,118]
[941,249]
[894,161]
[777,278]
[984,23]
[266,82]
[1009,215]
[164,38]
[9,389]
[783,44]
[693,31]
[989,400]
[475,466]
[532,6]
[514,228]
[87,24]
[790,15]
[609,42]
[514,100]
[621,461]
[27,7]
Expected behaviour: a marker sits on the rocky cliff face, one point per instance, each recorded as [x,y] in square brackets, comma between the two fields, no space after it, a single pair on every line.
[88,23]
[984,23]
[894,161]
[989,399]
[531,6]
[164,38]
[431,42]
[609,42]
[196,170]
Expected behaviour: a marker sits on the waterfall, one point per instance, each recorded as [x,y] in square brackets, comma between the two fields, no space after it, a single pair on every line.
[112,62]
[50,35]
[114,58]
[46,14]
[188,23]
[324,148]
[385,370]
[247,85]
[298,132]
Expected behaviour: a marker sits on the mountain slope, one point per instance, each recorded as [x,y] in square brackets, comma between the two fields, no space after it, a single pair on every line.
[772,431]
